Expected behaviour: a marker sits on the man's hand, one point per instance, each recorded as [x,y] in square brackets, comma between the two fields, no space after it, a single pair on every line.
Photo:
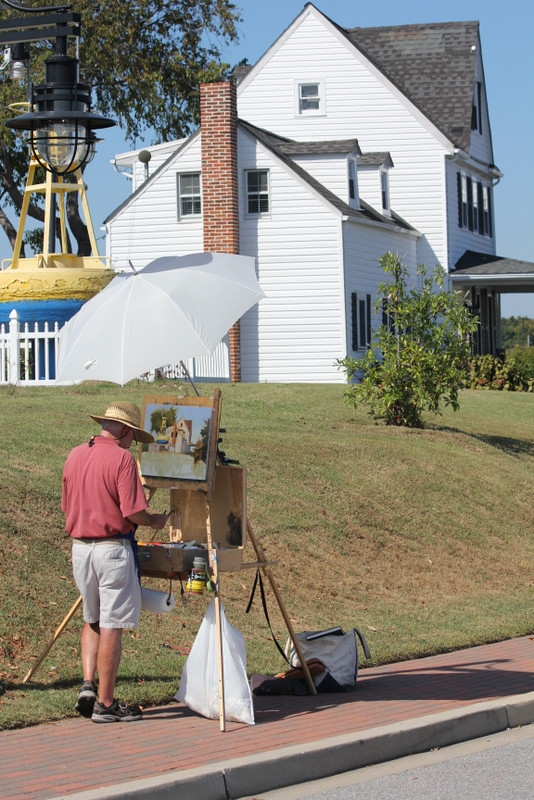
[148,520]
[159,521]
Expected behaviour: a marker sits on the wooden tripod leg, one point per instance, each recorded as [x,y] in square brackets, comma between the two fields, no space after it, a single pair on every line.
[218,618]
[266,570]
[57,633]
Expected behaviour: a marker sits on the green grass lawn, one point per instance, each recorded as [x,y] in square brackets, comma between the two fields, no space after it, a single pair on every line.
[422,538]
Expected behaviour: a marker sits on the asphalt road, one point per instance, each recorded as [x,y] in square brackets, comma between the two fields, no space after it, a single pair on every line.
[497,767]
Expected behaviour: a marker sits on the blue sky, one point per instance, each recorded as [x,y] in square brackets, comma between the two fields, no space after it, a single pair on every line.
[508,55]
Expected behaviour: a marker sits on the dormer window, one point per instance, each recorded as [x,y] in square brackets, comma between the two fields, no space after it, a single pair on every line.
[352,179]
[352,175]
[309,98]
[384,189]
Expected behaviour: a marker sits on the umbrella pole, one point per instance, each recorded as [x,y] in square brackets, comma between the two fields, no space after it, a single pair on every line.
[189,378]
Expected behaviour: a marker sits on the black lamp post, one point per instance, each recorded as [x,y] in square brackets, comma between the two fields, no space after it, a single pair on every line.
[61,123]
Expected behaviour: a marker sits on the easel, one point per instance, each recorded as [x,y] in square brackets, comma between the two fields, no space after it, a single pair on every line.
[199,510]
[187,498]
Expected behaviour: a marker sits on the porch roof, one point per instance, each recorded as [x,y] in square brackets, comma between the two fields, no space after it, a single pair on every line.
[493,272]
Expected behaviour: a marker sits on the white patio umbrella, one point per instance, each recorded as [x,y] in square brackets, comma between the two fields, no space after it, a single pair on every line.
[177,307]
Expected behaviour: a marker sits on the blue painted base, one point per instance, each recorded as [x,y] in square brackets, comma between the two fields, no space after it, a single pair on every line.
[40,311]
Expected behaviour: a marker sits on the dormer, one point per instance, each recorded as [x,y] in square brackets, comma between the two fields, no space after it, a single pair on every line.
[373,180]
[333,163]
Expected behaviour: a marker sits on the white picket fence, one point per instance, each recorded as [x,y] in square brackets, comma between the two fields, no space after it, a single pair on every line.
[28,357]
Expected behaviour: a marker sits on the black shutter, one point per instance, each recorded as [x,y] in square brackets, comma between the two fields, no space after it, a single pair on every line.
[490,212]
[361,314]
[368,317]
[460,211]
[354,319]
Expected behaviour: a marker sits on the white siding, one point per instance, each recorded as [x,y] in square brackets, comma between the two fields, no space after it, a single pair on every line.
[370,187]
[363,249]
[299,327]
[480,144]
[462,239]
[148,227]
[361,104]
[331,171]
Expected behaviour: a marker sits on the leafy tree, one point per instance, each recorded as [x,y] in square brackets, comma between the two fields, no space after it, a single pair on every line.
[160,417]
[517,332]
[200,452]
[145,60]
[418,357]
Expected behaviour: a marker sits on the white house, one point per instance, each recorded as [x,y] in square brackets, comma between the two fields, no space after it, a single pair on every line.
[347,143]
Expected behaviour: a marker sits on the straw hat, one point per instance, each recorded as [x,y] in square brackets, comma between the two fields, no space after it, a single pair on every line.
[128,414]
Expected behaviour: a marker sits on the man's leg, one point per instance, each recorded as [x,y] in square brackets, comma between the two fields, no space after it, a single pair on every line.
[108,659]
[90,645]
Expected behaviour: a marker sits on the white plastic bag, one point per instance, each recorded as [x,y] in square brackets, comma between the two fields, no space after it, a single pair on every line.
[199,684]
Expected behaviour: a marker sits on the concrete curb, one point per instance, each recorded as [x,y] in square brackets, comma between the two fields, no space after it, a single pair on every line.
[275,769]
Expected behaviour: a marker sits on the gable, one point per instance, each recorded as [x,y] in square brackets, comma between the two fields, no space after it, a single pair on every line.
[433,64]
[435,67]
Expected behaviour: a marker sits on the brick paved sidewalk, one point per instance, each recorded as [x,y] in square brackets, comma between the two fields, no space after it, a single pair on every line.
[61,758]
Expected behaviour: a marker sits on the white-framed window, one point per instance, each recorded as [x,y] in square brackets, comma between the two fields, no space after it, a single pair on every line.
[360,314]
[257,191]
[474,205]
[309,98]
[463,214]
[486,213]
[189,194]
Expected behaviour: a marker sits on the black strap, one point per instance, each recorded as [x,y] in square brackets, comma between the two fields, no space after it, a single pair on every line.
[258,580]
[365,646]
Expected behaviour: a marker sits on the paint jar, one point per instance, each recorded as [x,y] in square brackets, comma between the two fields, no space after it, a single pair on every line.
[198,577]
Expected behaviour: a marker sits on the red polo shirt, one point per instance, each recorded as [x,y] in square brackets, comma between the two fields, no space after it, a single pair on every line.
[101,488]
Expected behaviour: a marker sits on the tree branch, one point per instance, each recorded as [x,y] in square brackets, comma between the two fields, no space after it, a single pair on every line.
[9,230]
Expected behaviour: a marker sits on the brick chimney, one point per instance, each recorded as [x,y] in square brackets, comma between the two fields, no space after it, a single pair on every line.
[218,125]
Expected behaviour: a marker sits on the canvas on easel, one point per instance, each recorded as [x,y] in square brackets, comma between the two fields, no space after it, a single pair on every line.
[184,451]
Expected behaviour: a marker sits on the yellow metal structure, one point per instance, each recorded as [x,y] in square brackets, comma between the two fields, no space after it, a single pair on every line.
[50,275]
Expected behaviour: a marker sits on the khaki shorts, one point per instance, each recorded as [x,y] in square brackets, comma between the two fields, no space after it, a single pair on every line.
[105,573]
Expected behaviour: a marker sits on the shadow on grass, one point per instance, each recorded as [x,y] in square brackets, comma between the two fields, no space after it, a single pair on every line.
[75,683]
[508,445]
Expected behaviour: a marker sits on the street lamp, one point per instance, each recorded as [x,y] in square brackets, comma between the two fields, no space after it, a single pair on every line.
[63,134]
[61,122]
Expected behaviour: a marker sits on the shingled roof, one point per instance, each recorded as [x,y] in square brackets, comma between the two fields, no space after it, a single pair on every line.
[432,64]
[280,146]
[473,263]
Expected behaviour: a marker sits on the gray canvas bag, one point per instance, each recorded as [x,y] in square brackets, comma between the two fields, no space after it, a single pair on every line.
[337,650]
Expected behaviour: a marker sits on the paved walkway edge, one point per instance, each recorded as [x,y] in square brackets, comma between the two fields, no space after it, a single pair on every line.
[275,769]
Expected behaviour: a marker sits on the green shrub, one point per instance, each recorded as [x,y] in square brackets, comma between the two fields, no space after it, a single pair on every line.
[417,358]
[523,361]
[514,373]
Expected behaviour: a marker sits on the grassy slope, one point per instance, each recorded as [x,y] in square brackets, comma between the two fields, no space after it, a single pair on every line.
[424,539]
